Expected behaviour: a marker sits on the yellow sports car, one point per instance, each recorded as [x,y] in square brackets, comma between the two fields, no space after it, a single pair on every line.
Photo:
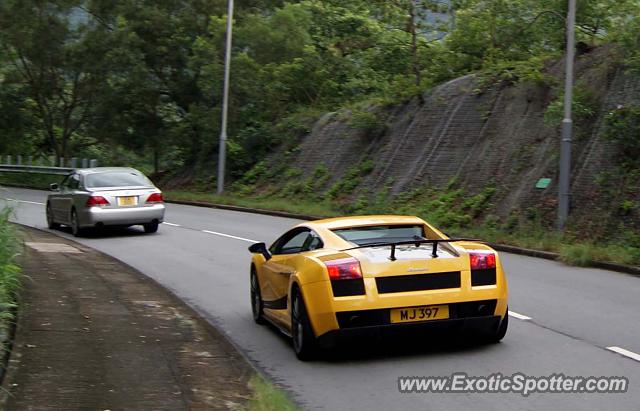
[329,278]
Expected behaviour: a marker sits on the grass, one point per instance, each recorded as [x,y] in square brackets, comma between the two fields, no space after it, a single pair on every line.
[267,397]
[9,274]
[319,209]
[571,250]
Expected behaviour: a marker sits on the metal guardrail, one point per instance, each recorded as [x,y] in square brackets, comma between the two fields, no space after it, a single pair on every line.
[35,169]
[57,165]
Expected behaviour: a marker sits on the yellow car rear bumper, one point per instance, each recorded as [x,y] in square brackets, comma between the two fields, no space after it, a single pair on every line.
[328,313]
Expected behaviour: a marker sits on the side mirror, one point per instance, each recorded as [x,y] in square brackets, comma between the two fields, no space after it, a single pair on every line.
[260,248]
[54,187]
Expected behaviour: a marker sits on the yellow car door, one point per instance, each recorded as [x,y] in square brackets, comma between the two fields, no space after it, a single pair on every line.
[277,271]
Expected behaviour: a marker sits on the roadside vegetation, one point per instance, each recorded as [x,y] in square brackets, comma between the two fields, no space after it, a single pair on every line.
[457,215]
[28,180]
[266,397]
[9,276]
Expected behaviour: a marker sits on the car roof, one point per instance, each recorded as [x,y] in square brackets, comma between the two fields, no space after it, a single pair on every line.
[363,221]
[94,170]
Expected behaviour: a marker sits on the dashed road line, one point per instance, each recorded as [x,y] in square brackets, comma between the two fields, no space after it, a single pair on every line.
[230,236]
[626,353]
[24,201]
[172,224]
[519,316]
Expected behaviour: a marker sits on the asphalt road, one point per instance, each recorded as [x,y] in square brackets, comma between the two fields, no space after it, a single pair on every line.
[563,319]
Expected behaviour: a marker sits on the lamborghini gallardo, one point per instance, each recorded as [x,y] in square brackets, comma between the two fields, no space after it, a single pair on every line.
[327,279]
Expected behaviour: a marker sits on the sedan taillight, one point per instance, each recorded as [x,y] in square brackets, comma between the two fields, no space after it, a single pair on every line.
[155,198]
[95,201]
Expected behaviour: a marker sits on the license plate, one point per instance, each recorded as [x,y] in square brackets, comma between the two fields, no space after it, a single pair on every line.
[127,201]
[422,313]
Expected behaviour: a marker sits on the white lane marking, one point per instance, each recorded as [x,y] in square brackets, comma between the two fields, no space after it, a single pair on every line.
[519,316]
[24,201]
[230,236]
[172,224]
[624,352]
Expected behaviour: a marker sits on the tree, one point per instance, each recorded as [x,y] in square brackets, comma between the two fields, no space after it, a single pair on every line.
[54,51]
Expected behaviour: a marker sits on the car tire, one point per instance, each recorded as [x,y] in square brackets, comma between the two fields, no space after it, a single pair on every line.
[50,223]
[75,224]
[502,329]
[305,344]
[150,228]
[257,304]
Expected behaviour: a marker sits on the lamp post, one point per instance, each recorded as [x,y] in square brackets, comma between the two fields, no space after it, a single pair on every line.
[564,191]
[222,146]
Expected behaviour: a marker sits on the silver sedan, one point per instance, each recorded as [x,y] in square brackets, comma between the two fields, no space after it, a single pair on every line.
[105,196]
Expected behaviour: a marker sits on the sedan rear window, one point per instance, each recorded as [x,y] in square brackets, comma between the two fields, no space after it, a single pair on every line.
[116,179]
[381,233]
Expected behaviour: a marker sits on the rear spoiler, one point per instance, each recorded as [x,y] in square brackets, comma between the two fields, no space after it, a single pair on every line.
[417,243]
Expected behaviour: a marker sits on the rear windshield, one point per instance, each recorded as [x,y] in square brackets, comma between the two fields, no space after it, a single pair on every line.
[117,179]
[381,234]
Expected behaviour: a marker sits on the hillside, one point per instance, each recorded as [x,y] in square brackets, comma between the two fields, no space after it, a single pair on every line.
[477,139]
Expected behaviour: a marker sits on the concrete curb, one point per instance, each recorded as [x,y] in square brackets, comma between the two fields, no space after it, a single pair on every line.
[547,255]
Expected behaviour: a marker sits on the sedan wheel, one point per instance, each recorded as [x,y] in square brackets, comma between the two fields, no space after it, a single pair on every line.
[150,228]
[304,342]
[50,223]
[256,299]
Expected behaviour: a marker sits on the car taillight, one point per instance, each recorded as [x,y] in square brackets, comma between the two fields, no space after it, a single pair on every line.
[482,260]
[344,269]
[97,201]
[155,198]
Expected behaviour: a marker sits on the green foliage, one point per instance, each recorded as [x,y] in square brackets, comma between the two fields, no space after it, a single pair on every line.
[578,254]
[583,107]
[344,187]
[267,397]
[372,124]
[531,70]
[449,208]
[31,180]
[9,271]
[622,126]
[584,254]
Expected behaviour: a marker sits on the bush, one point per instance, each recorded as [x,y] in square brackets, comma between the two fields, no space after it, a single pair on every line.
[622,126]
[9,272]
[577,254]
[584,107]
[372,124]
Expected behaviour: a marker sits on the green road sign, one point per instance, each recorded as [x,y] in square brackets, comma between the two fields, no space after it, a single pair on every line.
[543,183]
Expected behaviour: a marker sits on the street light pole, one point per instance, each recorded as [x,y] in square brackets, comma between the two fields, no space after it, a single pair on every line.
[222,146]
[564,190]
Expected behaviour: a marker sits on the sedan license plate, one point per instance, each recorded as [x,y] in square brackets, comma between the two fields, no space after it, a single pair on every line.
[127,201]
[422,313]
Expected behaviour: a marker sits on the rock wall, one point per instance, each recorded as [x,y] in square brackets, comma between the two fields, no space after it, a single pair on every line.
[493,136]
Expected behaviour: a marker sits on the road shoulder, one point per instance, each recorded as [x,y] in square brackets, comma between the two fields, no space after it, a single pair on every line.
[93,333]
